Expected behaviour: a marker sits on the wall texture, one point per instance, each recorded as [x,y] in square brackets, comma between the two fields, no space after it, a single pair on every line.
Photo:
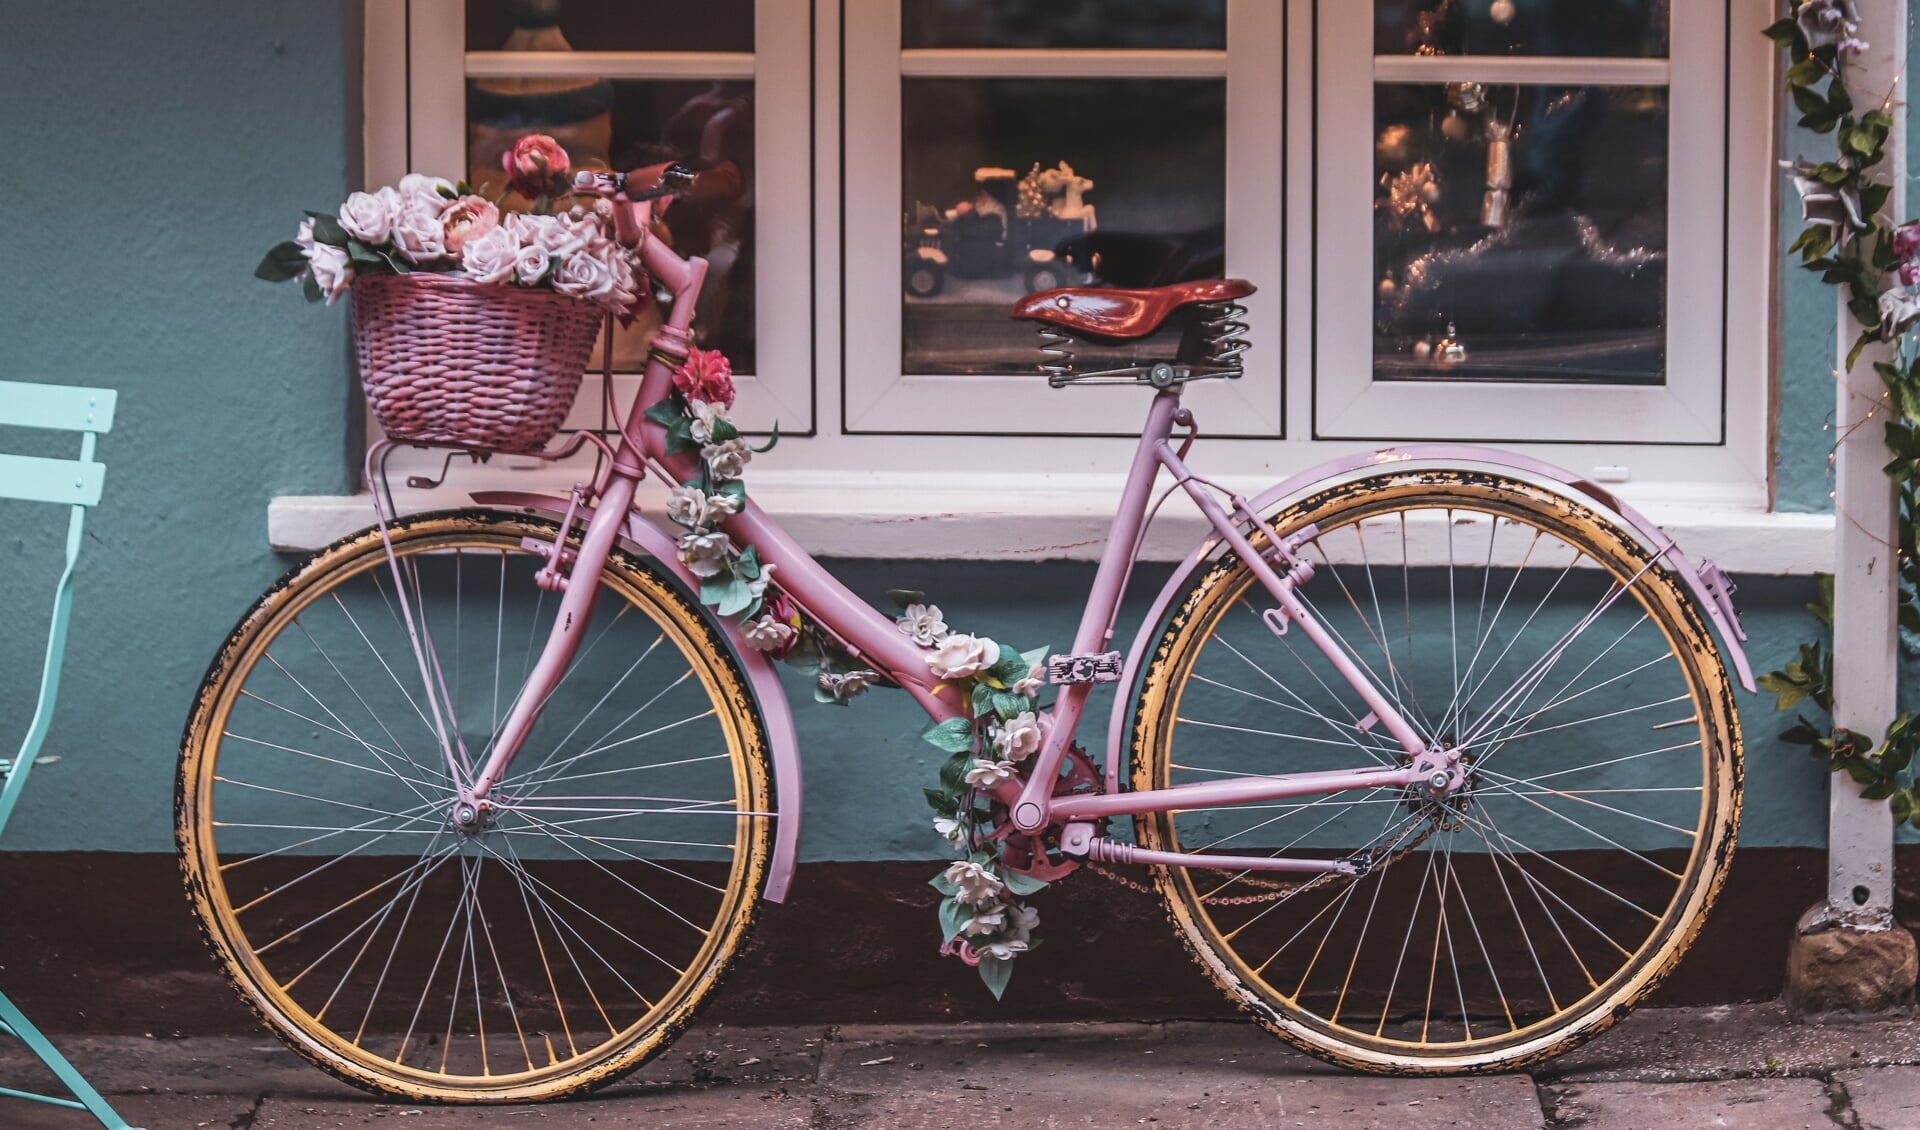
[216,122]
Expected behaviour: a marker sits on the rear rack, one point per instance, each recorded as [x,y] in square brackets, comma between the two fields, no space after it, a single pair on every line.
[1211,348]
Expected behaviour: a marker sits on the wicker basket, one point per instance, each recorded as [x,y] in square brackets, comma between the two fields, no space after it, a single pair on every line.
[447,360]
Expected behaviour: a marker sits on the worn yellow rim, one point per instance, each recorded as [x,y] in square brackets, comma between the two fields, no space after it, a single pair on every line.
[1658,592]
[736,711]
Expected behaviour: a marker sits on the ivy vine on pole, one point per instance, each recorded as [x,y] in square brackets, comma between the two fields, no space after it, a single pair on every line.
[1849,243]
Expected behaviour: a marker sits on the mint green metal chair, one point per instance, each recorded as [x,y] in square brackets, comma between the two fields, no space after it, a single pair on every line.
[73,483]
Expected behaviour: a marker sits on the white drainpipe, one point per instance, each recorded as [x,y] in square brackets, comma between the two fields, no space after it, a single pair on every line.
[1866,587]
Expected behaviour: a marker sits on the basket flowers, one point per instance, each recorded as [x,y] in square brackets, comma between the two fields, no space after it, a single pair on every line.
[426,224]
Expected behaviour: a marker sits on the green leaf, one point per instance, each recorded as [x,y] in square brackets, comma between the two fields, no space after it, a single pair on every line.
[1782,31]
[996,972]
[943,803]
[1861,342]
[1804,74]
[1007,704]
[736,490]
[310,286]
[748,565]
[982,700]
[666,413]
[944,885]
[1822,605]
[736,599]
[327,230]
[723,430]
[1010,668]
[953,772]
[903,597]
[446,191]
[680,437]
[771,440]
[1024,885]
[953,919]
[282,262]
[1838,98]
[955,735]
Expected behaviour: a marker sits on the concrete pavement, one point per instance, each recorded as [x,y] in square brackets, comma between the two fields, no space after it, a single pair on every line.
[1742,1068]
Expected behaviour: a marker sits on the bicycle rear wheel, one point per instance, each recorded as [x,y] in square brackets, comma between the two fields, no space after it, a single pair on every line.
[571,934]
[1505,923]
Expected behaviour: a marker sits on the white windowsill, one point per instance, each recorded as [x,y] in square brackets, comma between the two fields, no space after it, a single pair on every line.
[1037,517]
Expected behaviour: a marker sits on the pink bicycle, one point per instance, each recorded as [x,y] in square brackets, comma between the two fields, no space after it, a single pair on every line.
[1430,751]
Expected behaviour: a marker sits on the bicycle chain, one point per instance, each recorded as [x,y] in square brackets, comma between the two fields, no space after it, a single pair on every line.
[1275,889]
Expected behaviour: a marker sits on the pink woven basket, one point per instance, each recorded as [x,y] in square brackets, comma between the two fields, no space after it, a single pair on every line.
[447,360]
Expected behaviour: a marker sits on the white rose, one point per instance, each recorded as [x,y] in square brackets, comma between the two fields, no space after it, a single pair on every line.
[848,685]
[418,232]
[426,189]
[1036,679]
[331,270]
[985,774]
[955,832]
[304,237]
[961,655]
[530,265]
[556,235]
[1003,949]
[1022,921]
[368,216]
[988,919]
[705,554]
[704,415]
[727,460]
[691,507]
[1899,309]
[1020,738]
[490,258]
[978,885]
[766,634]
[584,276]
[923,623]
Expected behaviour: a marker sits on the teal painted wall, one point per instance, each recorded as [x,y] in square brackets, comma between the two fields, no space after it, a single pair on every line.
[217,122]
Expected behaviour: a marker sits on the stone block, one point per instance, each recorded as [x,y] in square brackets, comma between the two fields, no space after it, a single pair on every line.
[1834,969]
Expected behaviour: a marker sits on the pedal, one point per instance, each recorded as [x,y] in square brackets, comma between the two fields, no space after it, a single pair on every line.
[1067,670]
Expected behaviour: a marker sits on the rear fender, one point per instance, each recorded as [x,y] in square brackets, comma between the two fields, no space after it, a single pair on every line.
[762,675]
[1709,585]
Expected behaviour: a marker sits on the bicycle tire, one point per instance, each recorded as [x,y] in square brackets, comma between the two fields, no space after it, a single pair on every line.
[262,782]
[1538,1006]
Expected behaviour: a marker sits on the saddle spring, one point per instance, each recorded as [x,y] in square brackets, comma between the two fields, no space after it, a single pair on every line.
[1221,340]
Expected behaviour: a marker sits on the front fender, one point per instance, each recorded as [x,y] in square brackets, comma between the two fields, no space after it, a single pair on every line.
[1706,582]
[761,671]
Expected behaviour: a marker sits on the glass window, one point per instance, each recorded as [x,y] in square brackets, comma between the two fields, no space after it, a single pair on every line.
[1016,185]
[1606,28]
[609,25]
[1520,233]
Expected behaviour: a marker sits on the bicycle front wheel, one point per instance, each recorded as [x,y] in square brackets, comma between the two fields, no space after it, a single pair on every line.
[1505,922]
[557,942]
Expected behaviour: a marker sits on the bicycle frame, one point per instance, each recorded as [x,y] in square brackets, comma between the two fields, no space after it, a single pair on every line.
[874,640]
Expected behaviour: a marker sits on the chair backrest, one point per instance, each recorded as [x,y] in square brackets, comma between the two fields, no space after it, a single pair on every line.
[66,408]
[73,482]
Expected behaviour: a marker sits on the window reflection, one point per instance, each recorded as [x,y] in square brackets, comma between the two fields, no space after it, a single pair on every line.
[1520,233]
[1190,24]
[1611,28]
[1016,185]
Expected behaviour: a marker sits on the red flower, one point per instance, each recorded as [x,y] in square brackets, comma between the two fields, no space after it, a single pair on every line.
[782,610]
[706,375]
[537,166]
[1906,247]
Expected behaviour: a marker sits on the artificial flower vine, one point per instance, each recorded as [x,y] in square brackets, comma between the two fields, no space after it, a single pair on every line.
[982,919]
[1850,244]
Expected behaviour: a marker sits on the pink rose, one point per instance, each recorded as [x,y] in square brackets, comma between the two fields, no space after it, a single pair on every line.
[331,271]
[583,276]
[489,258]
[1906,248]
[418,232]
[537,166]
[705,375]
[470,218]
[369,216]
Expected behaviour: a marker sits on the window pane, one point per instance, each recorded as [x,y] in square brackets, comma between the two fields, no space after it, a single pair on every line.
[1531,253]
[631,124]
[1615,28]
[1016,185]
[609,25]
[1193,24]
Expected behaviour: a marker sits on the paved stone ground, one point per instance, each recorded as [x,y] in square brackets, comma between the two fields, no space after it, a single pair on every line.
[1740,1068]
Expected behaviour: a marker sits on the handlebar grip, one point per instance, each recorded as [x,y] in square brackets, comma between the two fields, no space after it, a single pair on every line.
[674,180]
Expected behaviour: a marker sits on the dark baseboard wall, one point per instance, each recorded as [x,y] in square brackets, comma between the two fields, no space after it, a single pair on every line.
[95,942]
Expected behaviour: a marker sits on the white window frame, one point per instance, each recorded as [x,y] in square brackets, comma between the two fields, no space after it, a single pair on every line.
[416,53]
[882,398]
[1686,408]
[845,491]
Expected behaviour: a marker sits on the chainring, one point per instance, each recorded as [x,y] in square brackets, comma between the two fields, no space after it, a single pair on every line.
[1038,854]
